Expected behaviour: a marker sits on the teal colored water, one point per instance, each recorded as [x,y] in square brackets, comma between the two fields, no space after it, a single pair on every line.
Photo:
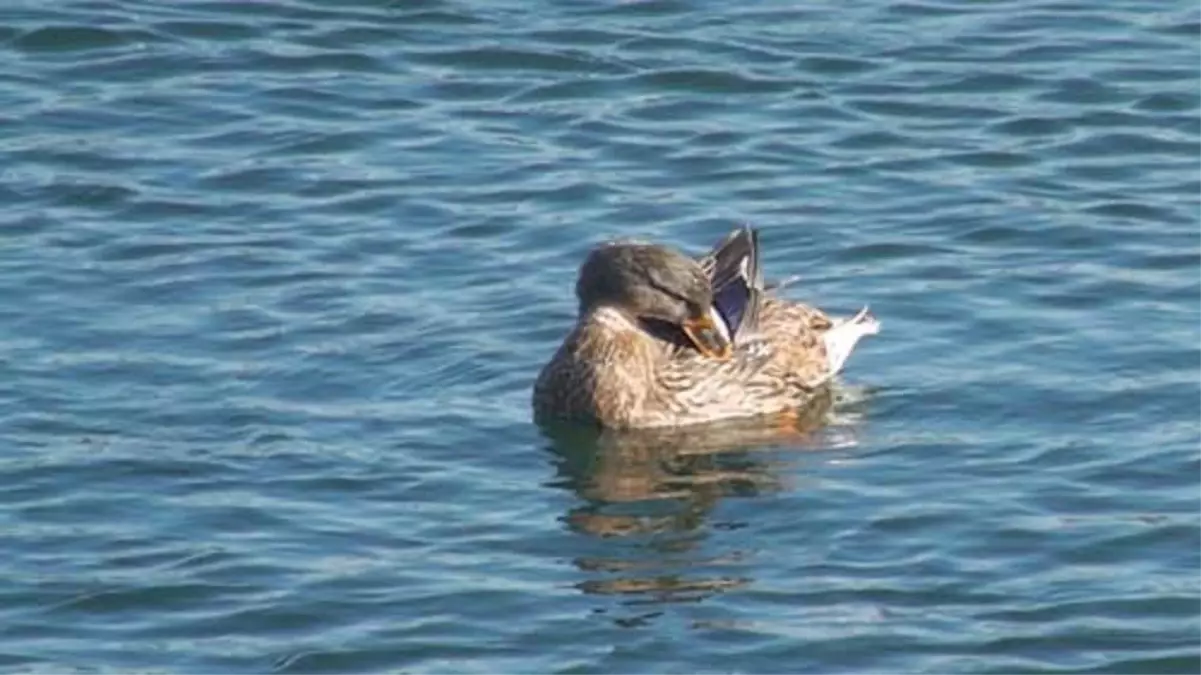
[278,276]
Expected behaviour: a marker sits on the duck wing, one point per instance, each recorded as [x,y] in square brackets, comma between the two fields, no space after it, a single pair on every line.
[733,270]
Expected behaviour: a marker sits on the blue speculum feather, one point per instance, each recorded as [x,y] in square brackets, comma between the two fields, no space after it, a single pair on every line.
[733,270]
[731,301]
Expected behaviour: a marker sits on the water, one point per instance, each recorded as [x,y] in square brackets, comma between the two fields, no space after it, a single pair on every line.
[278,277]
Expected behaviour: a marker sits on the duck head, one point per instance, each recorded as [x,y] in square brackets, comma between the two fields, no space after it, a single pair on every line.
[649,282]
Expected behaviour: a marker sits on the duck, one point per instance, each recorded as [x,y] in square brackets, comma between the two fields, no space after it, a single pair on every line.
[665,339]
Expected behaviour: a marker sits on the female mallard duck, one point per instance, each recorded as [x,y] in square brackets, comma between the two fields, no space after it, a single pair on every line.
[663,339]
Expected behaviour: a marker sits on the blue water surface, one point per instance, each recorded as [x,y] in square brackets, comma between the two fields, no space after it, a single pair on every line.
[278,276]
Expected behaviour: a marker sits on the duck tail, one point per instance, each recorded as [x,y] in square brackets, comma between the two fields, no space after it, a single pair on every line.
[845,334]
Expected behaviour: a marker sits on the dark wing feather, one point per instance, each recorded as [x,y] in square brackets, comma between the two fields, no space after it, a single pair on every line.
[733,271]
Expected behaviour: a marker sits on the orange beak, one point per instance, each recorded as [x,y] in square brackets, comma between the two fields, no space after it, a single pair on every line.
[708,338]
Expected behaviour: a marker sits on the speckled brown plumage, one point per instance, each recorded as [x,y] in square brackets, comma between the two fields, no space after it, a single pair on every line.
[613,370]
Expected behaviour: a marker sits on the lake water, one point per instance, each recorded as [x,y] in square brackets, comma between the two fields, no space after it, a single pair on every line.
[277,278]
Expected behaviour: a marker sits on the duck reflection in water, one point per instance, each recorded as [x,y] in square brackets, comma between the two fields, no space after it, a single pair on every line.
[648,496]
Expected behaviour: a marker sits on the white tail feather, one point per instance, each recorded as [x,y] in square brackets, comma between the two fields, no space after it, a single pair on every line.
[845,334]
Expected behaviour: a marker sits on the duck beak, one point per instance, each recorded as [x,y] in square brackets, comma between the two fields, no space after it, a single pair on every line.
[708,335]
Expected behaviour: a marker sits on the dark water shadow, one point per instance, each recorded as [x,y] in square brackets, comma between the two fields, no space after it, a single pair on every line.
[646,502]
